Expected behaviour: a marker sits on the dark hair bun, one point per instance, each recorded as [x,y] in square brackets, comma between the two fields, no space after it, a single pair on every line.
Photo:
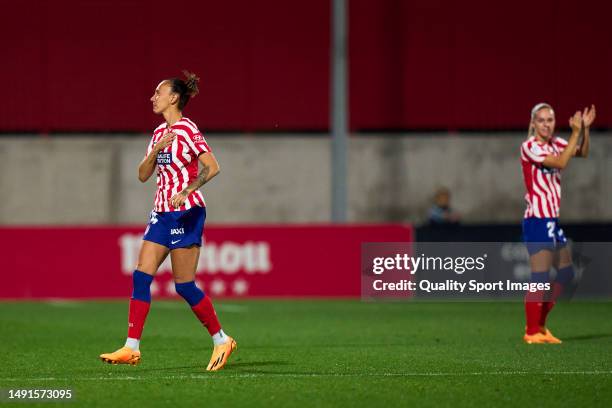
[191,81]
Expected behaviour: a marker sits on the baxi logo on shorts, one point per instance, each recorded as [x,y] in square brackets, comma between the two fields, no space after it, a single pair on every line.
[176,229]
[164,158]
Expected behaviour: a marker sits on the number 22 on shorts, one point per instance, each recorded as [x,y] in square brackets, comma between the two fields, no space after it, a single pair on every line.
[551,230]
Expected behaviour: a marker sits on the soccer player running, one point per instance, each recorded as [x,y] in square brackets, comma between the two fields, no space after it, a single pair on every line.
[543,156]
[177,220]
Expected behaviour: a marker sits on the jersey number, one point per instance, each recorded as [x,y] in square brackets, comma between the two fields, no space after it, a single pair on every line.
[551,230]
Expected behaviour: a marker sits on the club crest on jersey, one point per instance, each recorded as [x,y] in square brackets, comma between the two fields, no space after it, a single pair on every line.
[177,231]
[164,158]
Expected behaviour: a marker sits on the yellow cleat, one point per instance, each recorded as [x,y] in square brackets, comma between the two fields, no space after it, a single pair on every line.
[537,338]
[220,355]
[124,355]
[549,336]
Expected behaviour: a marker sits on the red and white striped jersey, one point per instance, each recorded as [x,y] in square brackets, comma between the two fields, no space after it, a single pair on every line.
[177,164]
[543,184]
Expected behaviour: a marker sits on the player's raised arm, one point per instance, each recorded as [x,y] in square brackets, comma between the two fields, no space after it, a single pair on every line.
[588,117]
[560,162]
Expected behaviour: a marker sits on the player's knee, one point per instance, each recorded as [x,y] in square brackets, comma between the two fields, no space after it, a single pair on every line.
[145,267]
[565,275]
[190,292]
[540,277]
[149,266]
[141,286]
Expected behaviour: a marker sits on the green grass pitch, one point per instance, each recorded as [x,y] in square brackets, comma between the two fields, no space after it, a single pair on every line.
[313,353]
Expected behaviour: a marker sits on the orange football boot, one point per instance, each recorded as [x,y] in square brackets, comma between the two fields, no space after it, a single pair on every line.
[124,355]
[536,338]
[549,336]
[220,354]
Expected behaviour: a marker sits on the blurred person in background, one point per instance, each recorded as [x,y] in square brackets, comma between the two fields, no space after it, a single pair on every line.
[177,221]
[543,157]
[441,212]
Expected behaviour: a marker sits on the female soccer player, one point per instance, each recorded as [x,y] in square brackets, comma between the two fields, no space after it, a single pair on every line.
[543,156]
[177,220]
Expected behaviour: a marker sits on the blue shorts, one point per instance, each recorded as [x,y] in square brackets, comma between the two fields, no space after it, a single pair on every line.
[176,229]
[543,233]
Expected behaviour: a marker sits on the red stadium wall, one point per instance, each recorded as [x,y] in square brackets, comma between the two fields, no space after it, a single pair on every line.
[92,65]
[97,262]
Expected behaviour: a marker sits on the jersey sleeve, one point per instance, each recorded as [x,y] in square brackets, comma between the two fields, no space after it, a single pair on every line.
[560,143]
[532,152]
[194,138]
[198,144]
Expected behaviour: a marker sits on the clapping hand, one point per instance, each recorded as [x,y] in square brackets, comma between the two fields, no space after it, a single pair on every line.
[575,121]
[588,116]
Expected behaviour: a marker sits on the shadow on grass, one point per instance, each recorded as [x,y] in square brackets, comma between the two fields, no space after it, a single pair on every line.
[588,336]
[327,345]
[237,365]
[180,368]
[247,364]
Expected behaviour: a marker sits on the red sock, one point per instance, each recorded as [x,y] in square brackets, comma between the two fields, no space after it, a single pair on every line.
[205,312]
[136,318]
[556,291]
[533,311]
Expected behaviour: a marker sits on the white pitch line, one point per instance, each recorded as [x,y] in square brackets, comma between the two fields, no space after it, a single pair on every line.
[306,375]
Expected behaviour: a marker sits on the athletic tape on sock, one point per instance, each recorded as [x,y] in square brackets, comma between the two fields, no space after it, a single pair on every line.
[141,283]
[565,275]
[190,292]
